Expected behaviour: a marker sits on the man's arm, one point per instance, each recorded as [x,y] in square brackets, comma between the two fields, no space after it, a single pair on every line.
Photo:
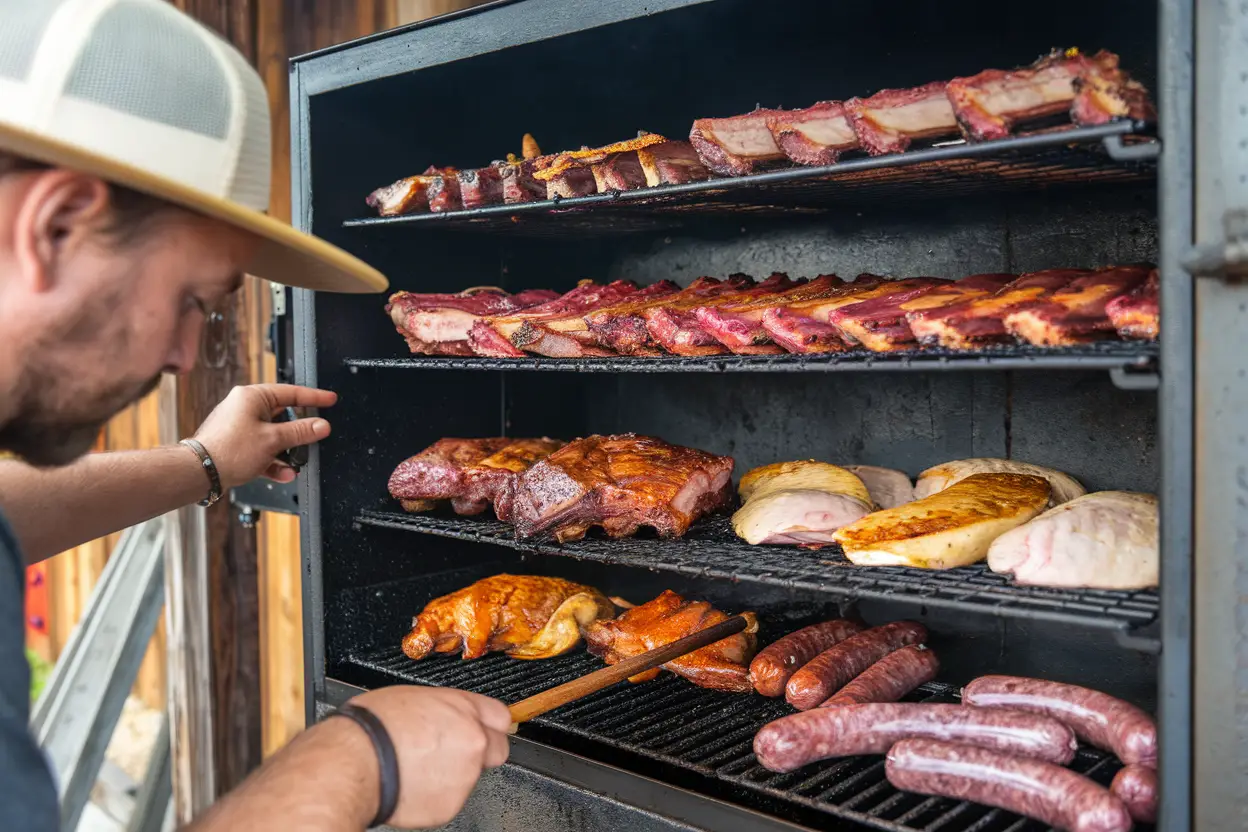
[328,778]
[55,509]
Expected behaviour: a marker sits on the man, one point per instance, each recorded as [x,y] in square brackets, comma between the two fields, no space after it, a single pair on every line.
[133,169]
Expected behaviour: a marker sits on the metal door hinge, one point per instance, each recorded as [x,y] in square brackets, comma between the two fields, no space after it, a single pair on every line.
[1227,259]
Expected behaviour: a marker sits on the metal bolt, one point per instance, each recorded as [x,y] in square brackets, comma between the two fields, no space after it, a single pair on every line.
[247,517]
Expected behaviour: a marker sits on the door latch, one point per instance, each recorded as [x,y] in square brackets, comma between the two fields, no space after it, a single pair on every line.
[1228,259]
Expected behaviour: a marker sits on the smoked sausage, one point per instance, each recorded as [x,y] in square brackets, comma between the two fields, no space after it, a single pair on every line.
[1097,718]
[1051,794]
[889,679]
[1136,786]
[832,669]
[797,740]
[774,664]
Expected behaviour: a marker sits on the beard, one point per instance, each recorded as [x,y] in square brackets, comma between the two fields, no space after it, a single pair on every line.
[46,438]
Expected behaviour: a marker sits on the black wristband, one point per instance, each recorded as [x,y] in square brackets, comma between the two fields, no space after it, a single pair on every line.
[387,760]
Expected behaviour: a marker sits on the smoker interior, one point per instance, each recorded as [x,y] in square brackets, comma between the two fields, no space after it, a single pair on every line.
[372,569]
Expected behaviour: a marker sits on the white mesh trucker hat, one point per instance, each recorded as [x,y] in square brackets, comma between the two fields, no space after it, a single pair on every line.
[140,94]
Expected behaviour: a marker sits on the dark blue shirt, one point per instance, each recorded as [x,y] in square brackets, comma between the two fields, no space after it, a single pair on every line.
[28,800]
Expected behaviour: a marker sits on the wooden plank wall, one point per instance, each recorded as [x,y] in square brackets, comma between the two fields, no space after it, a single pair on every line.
[282,29]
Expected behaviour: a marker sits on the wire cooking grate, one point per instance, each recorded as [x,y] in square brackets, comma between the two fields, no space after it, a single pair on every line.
[707,735]
[1102,355]
[1109,153]
[710,549]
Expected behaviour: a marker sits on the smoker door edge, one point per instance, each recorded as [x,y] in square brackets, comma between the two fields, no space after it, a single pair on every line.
[636,792]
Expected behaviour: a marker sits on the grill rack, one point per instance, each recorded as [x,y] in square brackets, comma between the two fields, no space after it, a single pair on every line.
[711,550]
[1134,358]
[706,736]
[1117,152]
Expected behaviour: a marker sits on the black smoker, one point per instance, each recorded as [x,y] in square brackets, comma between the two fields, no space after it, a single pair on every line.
[461,91]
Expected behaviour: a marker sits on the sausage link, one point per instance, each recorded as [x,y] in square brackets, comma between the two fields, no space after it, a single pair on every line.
[1054,795]
[775,663]
[1136,786]
[1098,719]
[889,679]
[796,740]
[829,671]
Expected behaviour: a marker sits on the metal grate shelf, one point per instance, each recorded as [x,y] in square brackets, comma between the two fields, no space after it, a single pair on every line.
[1134,356]
[711,550]
[1108,153]
[704,738]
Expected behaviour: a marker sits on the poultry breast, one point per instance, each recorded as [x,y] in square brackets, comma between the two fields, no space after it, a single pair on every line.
[1104,540]
[888,487]
[938,478]
[798,503]
[723,665]
[528,616]
[951,528]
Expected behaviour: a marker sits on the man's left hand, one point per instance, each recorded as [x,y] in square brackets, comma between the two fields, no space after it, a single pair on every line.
[244,441]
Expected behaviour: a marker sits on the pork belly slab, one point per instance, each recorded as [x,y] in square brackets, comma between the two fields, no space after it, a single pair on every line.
[807,326]
[1092,89]
[880,324]
[817,135]
[471,473]
[1076,313]
[496,337]
[622,328]
[620,483]
[890,120]
[671,163]
[739,326]
[1137,313]
[981,321]
[675,327]
[737,145]
[438,324]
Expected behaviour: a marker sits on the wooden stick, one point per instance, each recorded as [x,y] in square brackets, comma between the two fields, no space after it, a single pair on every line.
[548,700]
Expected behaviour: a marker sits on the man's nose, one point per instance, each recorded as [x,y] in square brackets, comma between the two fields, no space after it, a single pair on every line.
[181,359]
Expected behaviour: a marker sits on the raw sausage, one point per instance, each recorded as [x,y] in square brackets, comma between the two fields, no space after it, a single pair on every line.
[1136,786]
[829,671]
[796,740]
[1097,718]
[889,679]
[775,663]
[1051,794]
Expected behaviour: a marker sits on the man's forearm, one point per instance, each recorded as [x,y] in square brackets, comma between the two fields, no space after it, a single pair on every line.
[326,780]
[52,510]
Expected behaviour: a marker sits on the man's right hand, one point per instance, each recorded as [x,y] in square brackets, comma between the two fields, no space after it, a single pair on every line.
[444,739]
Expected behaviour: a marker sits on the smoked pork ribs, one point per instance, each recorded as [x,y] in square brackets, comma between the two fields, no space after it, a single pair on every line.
[473,474]
[439,324]
[621,483]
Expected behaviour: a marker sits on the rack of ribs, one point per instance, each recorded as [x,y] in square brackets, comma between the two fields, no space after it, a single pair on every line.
[816,135]
[737,145]
[1092,89]
[1136,314]
[807,327]
[723,665]
[558,329]
[671,163]
[622,328]
[417,194]
[1076,313]
[472,473]
[981,321]
[438,324]
[675,327]
[527,616]
[739,326]
[880,324]
[890,120]
[620,483]
[598,169]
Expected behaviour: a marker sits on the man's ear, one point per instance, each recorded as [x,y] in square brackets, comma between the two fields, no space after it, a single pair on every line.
[59,211]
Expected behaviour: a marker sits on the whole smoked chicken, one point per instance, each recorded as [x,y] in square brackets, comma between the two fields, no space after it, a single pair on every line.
[527,616]
[723,665]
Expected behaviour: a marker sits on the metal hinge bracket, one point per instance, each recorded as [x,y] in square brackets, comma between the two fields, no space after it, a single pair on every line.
[1228,259]
[263,494]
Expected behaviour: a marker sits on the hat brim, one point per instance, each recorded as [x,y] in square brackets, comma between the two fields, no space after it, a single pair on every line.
[284,255]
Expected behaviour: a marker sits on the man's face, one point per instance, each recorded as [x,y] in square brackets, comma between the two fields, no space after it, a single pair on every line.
[95,317]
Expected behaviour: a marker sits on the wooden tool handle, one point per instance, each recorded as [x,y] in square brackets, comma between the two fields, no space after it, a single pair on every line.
[548,700]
